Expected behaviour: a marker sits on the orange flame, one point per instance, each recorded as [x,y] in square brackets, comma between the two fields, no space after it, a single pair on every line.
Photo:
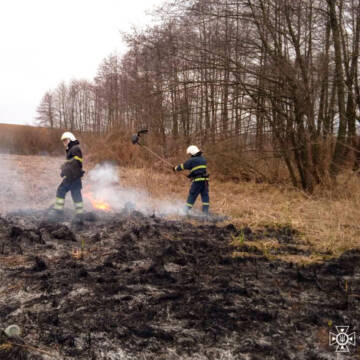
[98,204]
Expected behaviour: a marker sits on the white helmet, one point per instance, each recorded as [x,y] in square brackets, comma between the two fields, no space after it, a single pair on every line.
[68,135]
[192,149]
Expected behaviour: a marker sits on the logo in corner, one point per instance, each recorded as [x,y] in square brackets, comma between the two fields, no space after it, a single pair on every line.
[342,339]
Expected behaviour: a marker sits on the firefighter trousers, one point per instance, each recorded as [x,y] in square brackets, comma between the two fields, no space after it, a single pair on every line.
[199,188]
[75,188]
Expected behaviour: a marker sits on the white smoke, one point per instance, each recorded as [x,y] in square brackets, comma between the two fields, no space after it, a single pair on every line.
[13,194]
[28,182]
[105,185]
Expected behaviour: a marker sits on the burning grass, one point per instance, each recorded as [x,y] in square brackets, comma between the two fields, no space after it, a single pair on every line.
[97,204]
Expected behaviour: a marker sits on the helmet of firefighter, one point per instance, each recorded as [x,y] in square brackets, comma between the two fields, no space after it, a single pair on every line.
[68,135]
[192,150]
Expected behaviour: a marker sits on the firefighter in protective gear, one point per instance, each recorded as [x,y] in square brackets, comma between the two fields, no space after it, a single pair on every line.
[71,172]
[200,179]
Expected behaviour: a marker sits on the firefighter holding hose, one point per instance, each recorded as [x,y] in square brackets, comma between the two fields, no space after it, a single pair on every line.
[200,179]
[71,172]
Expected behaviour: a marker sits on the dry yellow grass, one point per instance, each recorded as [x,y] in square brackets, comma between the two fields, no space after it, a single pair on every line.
[13,261]
[22,139]
[327,221]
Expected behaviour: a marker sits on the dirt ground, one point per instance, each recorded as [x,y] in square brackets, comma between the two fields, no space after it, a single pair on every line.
[130,286]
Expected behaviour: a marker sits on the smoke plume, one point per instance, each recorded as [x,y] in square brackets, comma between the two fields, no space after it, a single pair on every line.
[105,185]
[13,194]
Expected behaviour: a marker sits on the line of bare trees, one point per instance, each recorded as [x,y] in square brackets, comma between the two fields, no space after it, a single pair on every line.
[278,72]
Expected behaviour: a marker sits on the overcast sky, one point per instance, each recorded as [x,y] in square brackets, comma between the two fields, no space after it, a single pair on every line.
[44,42]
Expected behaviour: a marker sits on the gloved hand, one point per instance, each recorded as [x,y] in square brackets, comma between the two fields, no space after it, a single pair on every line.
[62,168]
[174,168]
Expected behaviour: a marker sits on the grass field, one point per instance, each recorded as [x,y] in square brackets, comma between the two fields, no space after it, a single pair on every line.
[29,140]
[326,222]
[123,268]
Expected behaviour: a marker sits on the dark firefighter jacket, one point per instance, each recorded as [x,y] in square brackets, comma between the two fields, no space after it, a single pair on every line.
[197,166]
[72,168]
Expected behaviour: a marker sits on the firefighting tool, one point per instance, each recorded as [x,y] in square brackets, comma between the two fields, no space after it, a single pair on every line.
[135,140]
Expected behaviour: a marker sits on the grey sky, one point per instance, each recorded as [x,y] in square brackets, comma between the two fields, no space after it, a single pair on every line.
[44,42]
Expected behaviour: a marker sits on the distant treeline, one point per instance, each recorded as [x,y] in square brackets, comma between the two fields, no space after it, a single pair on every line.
[28,140]
[271,75]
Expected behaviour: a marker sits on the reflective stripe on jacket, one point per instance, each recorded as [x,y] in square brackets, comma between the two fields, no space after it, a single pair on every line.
[196,165]
[72,168]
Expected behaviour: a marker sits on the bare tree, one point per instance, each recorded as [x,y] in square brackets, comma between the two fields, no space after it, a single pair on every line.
[46,111]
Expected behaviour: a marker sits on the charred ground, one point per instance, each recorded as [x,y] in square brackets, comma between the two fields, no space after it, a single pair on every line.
[151,288]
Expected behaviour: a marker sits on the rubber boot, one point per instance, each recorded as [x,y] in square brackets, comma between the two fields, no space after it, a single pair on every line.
[55,215]
[78,219]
